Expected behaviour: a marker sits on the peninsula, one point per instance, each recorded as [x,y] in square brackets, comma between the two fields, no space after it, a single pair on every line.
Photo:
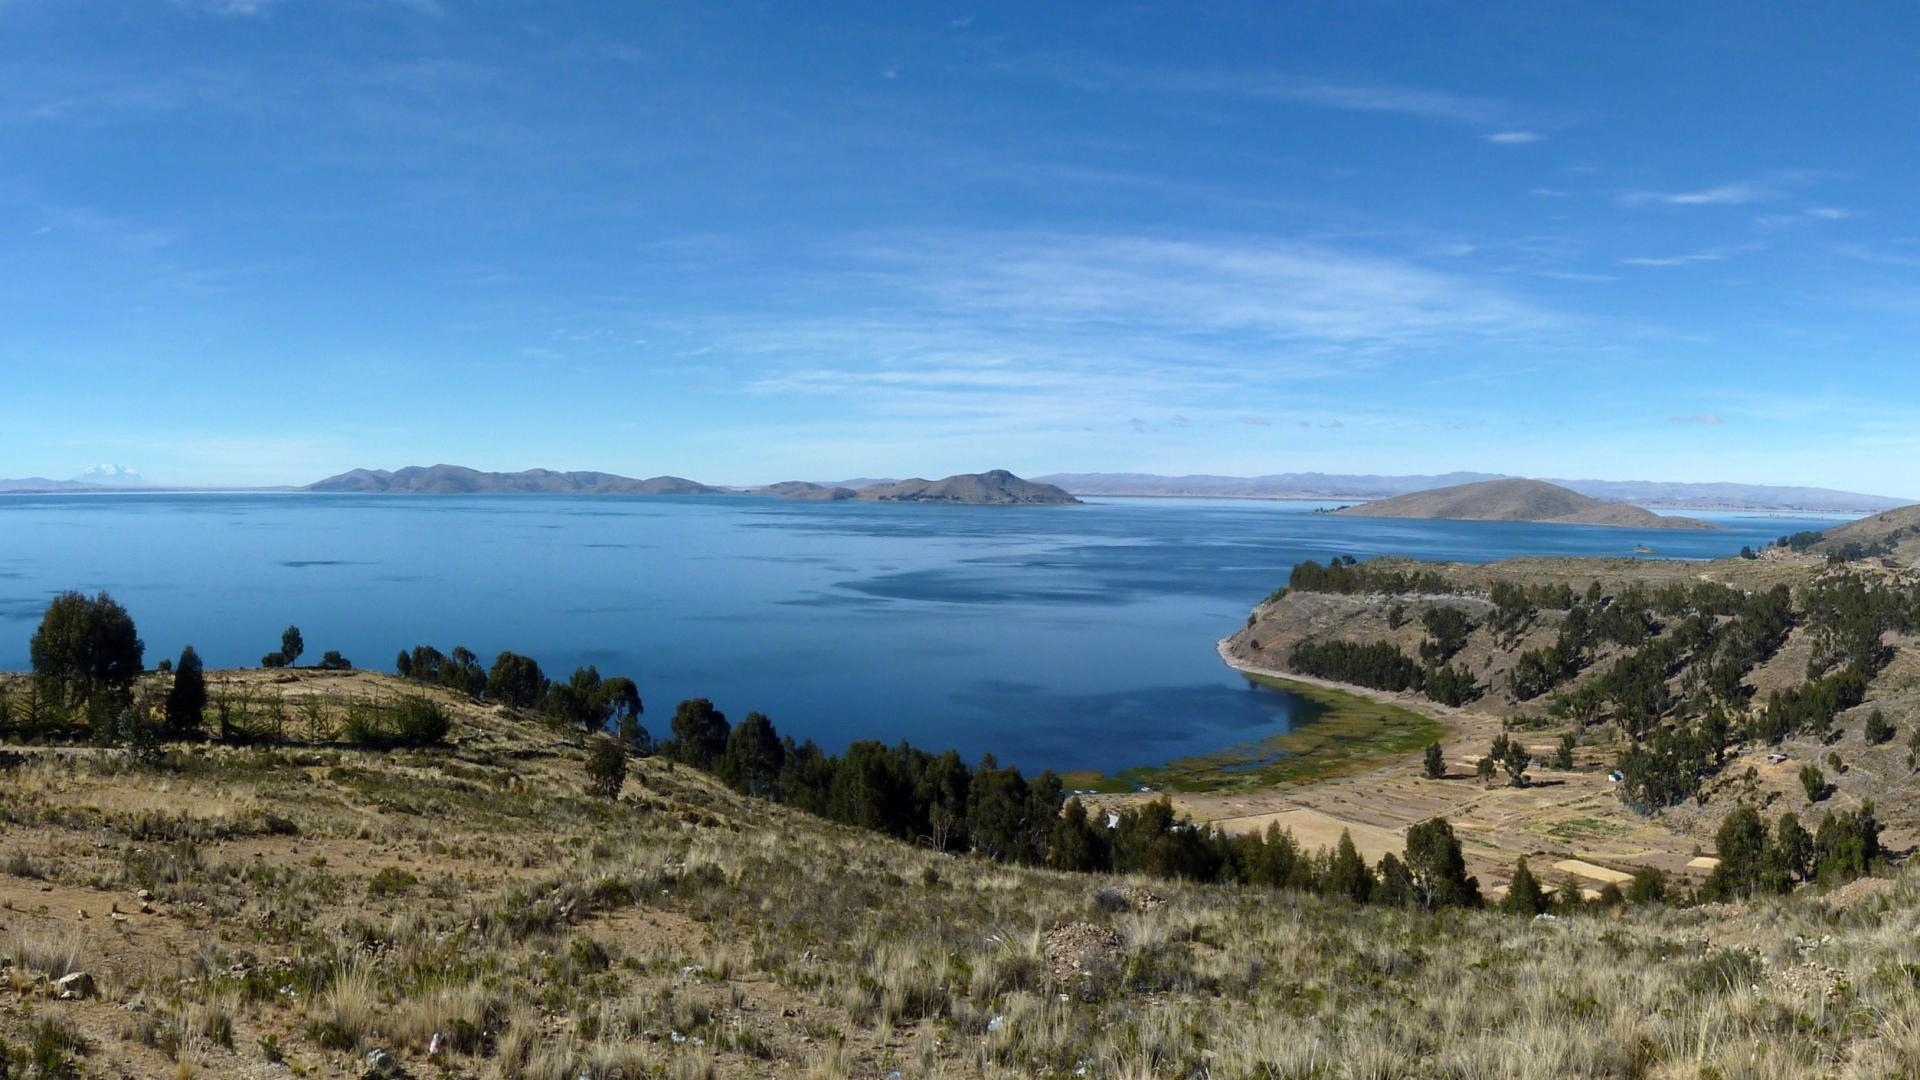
[1518,500]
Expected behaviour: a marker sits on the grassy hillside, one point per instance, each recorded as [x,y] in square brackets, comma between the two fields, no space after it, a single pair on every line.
[237,908]
[1517,500]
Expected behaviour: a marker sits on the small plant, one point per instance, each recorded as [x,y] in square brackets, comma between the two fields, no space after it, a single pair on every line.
[271,1049]
[391,881]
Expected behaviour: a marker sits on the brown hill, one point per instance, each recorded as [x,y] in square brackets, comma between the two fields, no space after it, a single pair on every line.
[460,480]
[997,487]
[805,491]
[1518,500]
[1895,533]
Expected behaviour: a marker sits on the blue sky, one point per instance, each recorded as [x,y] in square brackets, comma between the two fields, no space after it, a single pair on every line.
[260,241]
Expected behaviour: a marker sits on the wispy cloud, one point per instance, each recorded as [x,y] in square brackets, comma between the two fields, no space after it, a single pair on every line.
[1426,103]
[1711,255]
[1736,194]
[1514,138]
[1059,331]
[1697,419]
[1774,185]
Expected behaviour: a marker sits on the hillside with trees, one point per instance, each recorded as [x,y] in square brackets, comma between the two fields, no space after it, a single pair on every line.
[1784,682]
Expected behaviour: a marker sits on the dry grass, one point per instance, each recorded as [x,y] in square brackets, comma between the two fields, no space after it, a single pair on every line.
[686,932]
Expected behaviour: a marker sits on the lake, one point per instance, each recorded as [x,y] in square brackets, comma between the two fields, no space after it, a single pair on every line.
[1062,637]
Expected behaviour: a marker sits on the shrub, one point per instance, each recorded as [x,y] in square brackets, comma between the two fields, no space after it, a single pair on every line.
[1814,781]
[411,721]
[606,766]
[1879,729]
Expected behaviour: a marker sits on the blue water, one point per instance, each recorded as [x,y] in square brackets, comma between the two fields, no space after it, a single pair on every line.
[1061,637]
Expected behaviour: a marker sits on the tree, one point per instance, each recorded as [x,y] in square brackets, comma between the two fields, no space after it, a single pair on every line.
[1484,769]
[606,766]
[1347,875]
[1647,886]
[753,756]
[1741,843]
[1563,753]
[1814,781]
[699,733]
[1514,758]
[581,700]
[291,645]
[1435,765]
[516,680]
[1076,845]
[85,647]
[1878,729]
[620,697]
[1396,887]
[1524,896]
[1793,847]
[1439,869]
[186,706]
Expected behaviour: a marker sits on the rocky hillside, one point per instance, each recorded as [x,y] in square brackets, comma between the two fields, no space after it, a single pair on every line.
[459,480]
[1518,500]
[997,487]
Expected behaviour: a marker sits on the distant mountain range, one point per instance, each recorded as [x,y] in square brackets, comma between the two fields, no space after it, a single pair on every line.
[996,487]
[97,478]
[460,480]
[1518,500]
[1313,485]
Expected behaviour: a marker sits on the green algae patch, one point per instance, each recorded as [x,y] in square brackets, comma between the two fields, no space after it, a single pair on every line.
[1333,733]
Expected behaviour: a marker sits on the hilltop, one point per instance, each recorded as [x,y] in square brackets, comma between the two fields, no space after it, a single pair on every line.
[1518,500]
[459,480]
[312,907]
[807,491]
[997,487]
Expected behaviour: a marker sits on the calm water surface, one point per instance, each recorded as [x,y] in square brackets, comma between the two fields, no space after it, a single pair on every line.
[1061,637]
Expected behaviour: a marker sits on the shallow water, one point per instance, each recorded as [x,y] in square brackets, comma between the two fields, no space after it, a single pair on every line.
[1062,637]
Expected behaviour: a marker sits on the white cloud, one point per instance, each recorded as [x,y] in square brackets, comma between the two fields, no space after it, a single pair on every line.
[1034,332]
[1711,255]
[1698,419]
[1423,102]
[1514,138]
[1724,195]
[1774,185]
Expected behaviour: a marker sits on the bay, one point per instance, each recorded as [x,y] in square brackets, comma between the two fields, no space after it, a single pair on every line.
[1077,637]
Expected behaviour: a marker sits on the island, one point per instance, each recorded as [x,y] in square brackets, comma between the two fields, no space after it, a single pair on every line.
[1518,500]
[460,480]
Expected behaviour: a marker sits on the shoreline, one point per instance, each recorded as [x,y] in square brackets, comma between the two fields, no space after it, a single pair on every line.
[1432,710]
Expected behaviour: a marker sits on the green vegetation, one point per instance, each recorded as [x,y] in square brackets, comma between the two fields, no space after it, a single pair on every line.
[606,766]
[187,697]
[86,652]
[1345,574]
[1335,733]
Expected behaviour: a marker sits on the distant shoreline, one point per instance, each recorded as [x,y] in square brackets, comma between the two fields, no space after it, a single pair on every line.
[1658,508]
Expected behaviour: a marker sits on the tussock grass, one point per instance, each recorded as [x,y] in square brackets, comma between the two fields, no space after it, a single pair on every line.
[687,932]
